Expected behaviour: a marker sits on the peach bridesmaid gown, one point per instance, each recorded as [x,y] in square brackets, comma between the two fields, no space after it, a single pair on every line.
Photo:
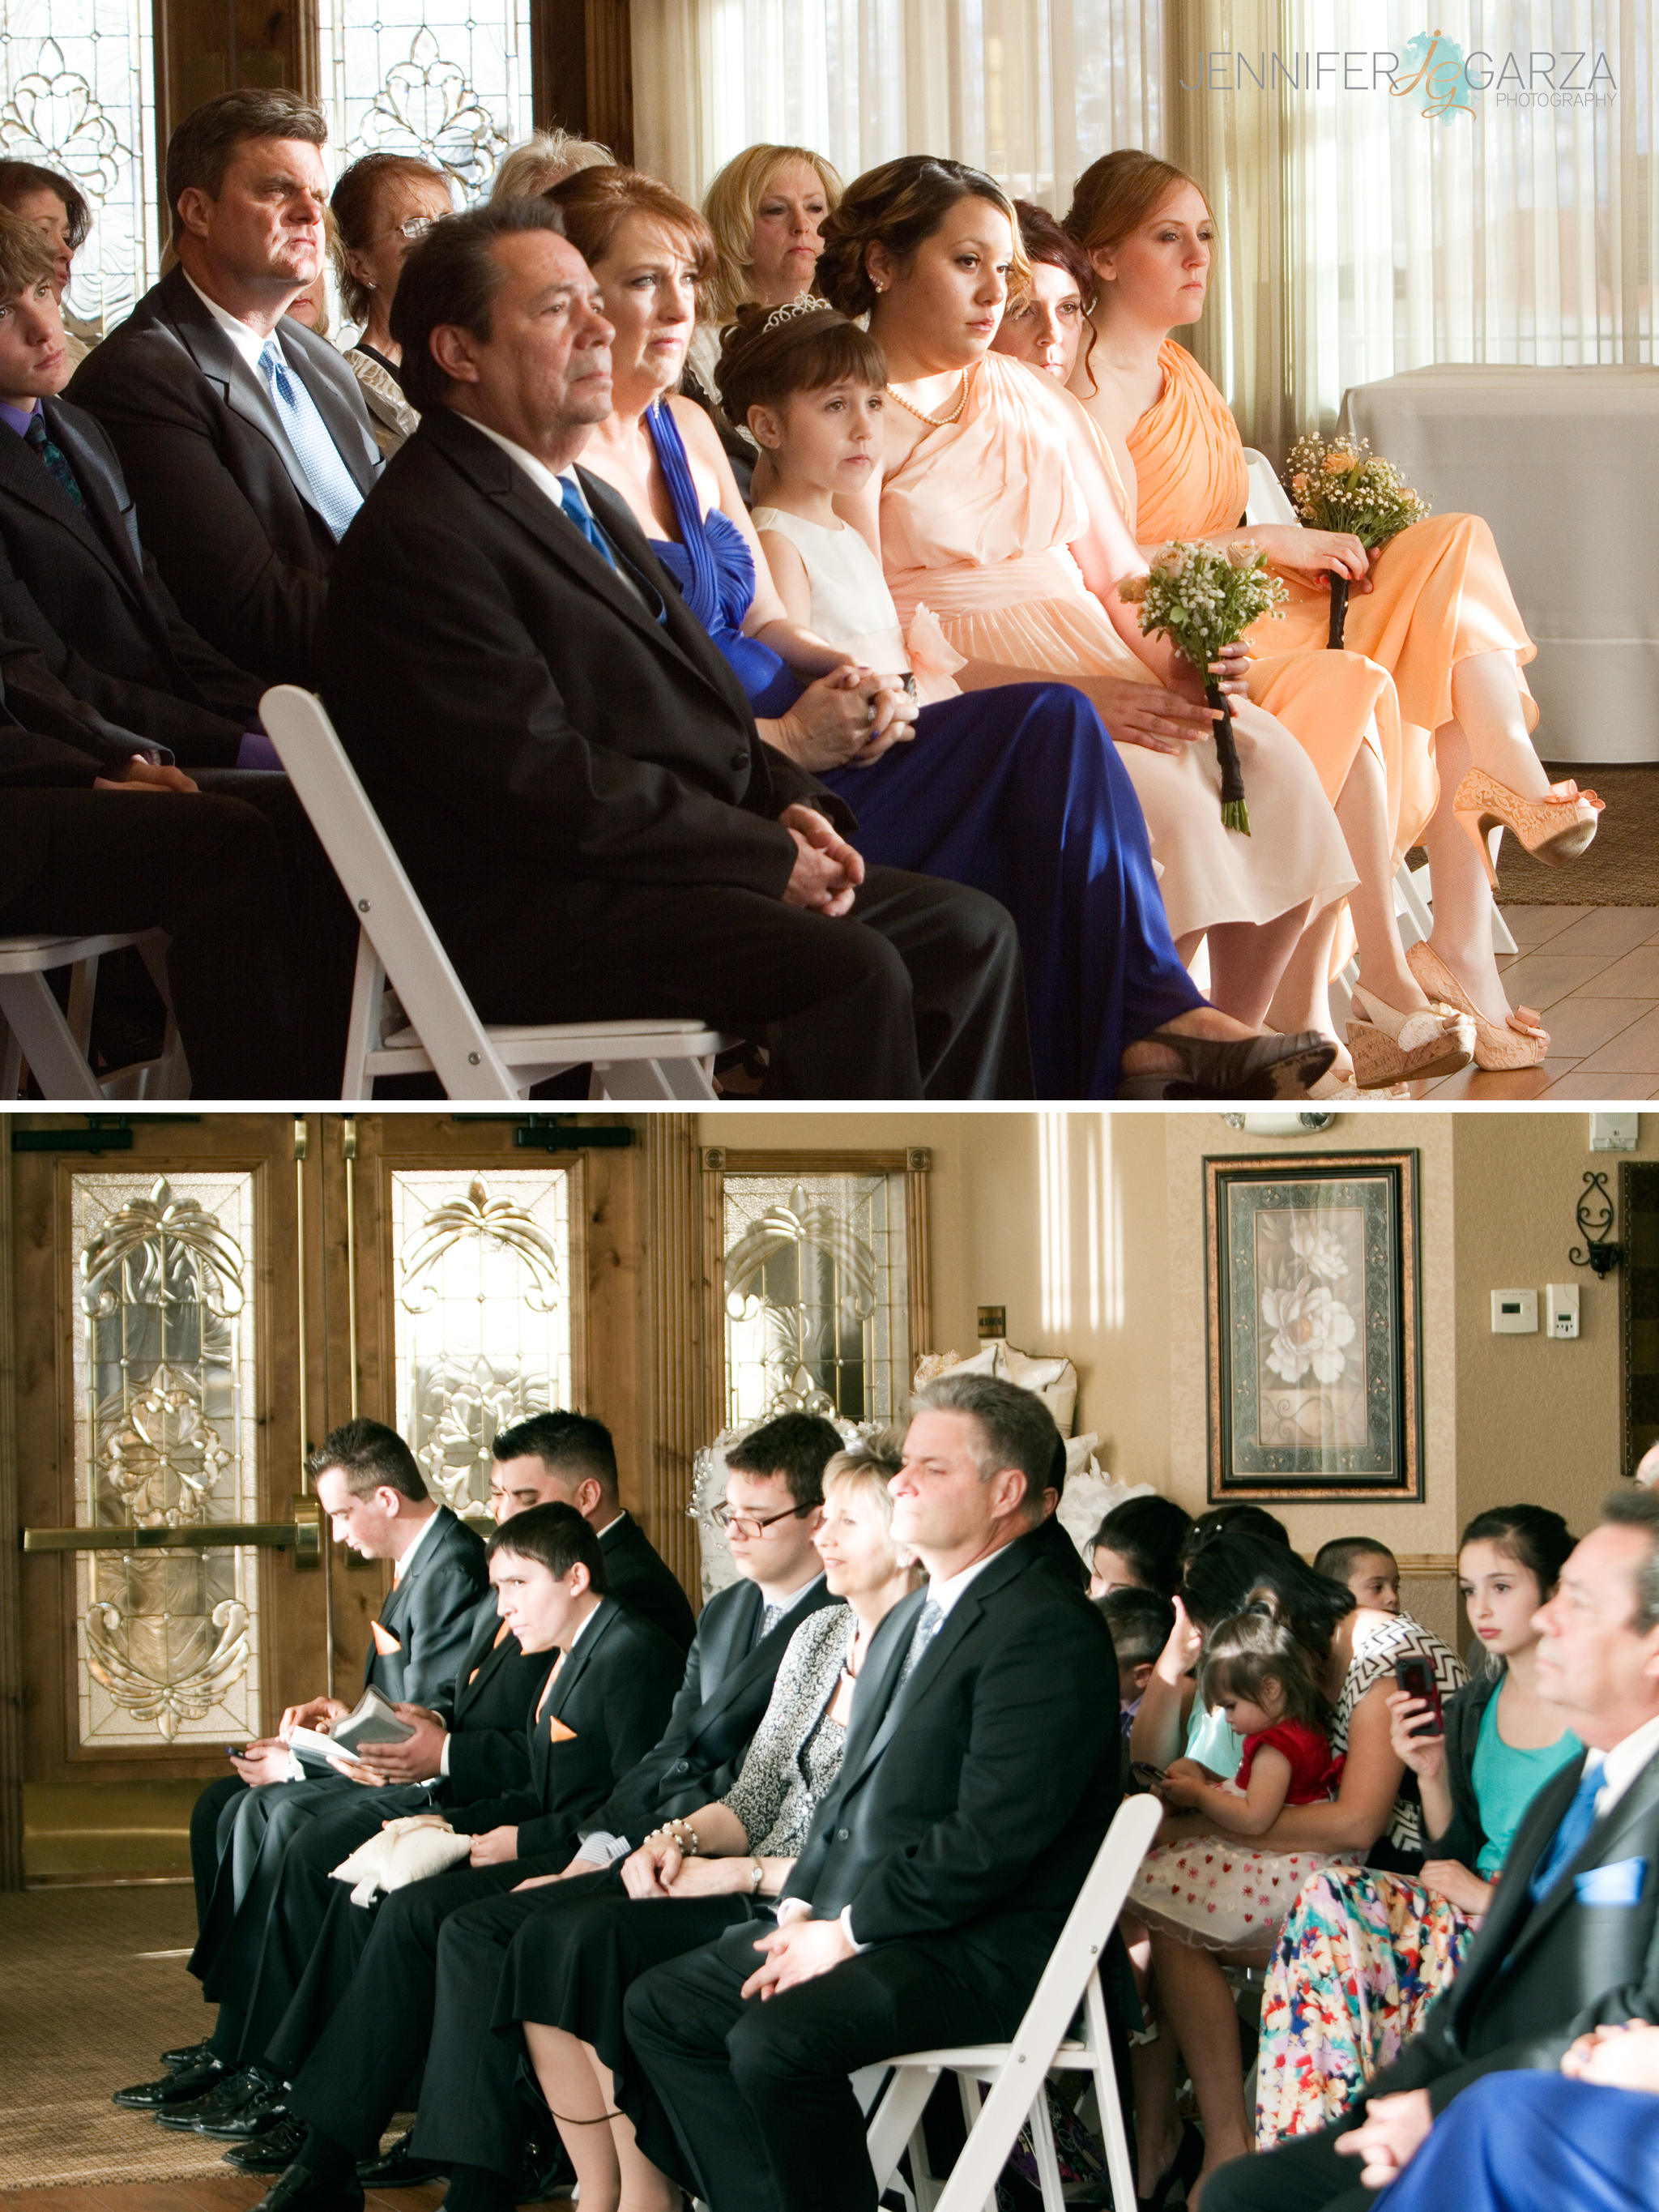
[978,523]
[1439,590]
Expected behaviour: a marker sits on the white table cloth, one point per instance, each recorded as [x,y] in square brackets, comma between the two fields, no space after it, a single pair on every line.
[1564,464]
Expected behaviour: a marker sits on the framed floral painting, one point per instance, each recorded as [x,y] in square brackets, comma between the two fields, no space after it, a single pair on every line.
[1314,1334]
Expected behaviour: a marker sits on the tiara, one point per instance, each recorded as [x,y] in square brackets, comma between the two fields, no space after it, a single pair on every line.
[807,305]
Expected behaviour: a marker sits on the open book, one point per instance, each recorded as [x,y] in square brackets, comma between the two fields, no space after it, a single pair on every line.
[371,1720]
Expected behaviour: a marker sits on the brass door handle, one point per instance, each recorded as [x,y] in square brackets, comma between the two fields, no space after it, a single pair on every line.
[302,1535]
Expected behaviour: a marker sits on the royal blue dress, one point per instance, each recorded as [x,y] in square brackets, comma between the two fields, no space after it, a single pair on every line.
[1527,2142]
[1018,792]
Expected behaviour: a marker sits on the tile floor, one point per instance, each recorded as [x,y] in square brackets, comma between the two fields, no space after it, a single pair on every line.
[1593,974]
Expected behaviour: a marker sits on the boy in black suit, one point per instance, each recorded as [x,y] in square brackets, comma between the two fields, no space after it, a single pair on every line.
[774,1492]
[604,1706]
[980,1775]
[1571,1941]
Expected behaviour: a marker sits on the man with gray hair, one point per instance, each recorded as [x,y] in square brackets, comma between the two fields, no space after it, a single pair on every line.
[980,1775]
[1570,1946]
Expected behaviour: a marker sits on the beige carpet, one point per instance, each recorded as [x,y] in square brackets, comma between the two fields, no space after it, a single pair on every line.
[1621,868]
[83,2011]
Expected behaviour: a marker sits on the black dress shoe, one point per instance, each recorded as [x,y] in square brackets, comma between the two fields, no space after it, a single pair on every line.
[237,2103]
[186,2054]
[545,2171]
[399,2168]
[299,2191]
[1236,1068]
[182,2088]
[270,2154]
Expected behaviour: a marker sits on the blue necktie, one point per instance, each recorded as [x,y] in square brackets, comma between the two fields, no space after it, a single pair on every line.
[52,456]
[581,514]
[333,486]
[1576,1824]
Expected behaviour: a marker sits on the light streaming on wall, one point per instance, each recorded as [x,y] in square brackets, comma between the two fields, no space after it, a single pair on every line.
[1055,1202]
[1080,1144]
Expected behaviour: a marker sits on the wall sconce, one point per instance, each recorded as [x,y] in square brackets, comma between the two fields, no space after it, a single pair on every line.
[1595,1214]
[993,1324]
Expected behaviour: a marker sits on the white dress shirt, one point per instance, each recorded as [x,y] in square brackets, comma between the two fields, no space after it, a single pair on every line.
[1623,1764]
[548,482]
[248,341]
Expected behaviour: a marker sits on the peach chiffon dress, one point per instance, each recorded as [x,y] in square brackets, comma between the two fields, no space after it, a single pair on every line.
[1439,590]
[978,524]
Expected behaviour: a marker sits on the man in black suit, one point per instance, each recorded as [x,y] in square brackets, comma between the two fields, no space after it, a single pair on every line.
[979,1779]
[604,1705]
[365,1478]
[448,1962]
[569,769]
[94,838]
[1570,1942]
[289,1930]
[980,1775]
[244,437]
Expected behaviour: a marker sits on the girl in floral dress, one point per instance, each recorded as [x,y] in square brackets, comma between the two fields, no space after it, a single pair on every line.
[1364,1953]
[1205,1896]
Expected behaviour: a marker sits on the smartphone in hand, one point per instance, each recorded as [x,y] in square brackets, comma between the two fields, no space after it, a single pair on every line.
[1416,1678]
[1145,1773]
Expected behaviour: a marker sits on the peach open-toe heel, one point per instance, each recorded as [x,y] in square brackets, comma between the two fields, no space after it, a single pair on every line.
[1389,1047]
[1553,829]
[1521,1042]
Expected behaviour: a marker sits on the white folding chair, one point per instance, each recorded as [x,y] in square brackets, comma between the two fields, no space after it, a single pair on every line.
[33,1027]
[431,1026]
[1019,2071]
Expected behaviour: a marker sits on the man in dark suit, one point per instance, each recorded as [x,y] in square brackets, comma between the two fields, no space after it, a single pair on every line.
[774,1502]
[1571,1942]
[94,837]
[366,1479]
[979,1775]
[567,766]
[469,1745]
[243,437]
[604,1705]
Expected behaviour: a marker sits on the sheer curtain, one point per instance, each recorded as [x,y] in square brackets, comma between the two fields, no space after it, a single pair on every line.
[1361,236]
[1032,90]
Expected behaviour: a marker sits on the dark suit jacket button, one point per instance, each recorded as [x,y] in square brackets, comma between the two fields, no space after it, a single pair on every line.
[682,1767]
[740,760]
[841,1835]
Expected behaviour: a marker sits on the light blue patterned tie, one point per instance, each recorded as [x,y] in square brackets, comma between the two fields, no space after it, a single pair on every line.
[921,1635]
[1569,1839]
[333,486]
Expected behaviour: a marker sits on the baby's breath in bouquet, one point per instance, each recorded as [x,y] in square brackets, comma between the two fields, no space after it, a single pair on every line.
[1346,486]
[1201,600]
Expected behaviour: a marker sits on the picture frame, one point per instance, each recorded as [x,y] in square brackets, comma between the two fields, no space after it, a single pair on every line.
[1638,1226]
[1314,1340]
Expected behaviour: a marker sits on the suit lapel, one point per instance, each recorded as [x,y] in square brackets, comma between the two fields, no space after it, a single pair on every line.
[23,476]
[762,1660]
[576,1662]
[1599,1848]
[243,391]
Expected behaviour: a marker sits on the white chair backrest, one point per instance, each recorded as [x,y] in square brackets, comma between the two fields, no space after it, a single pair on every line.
[1268,500]
[1089,1925]
[374,880]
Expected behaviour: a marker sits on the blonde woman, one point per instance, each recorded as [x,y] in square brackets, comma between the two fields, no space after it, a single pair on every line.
[544,161]
[570,1966]
[766,209]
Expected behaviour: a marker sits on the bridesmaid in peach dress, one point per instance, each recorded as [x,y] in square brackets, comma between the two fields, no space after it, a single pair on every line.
[1433,606]
[996,510]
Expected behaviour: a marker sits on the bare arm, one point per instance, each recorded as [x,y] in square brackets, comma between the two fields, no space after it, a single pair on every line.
[768,619]
[1160,1725]
[794,586]
[1357,1816]
[1253,1814]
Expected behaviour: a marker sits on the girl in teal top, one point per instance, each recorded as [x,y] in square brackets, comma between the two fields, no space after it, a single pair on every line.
[1363,1953]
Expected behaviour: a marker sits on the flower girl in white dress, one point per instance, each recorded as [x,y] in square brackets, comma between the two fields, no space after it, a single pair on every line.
[817,441]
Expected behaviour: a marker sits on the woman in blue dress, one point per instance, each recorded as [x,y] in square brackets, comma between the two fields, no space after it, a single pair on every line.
[1018,792]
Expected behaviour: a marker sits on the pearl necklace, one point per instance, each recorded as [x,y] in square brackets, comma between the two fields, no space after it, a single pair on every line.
[935,422]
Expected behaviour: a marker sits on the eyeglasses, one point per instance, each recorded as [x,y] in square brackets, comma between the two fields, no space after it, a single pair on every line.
[748,1525]
[416,227]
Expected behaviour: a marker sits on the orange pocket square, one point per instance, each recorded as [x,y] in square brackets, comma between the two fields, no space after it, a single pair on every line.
[384,1642]
[558,1732]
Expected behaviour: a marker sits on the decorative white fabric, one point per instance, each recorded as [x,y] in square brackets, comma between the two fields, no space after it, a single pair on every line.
[1051,1376]
[1581,446]
[404,1850]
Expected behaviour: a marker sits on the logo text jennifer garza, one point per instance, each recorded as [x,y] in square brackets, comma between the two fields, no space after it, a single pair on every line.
[1434,73]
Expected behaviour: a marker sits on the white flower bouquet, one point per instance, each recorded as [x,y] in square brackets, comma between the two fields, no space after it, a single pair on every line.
[1346,486]
[1203,599]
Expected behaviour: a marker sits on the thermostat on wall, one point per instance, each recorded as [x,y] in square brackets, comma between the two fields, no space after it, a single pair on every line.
[1515,1313]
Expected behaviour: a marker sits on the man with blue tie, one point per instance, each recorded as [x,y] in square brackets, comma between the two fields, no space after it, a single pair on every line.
[243,437]
[1570,1946]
